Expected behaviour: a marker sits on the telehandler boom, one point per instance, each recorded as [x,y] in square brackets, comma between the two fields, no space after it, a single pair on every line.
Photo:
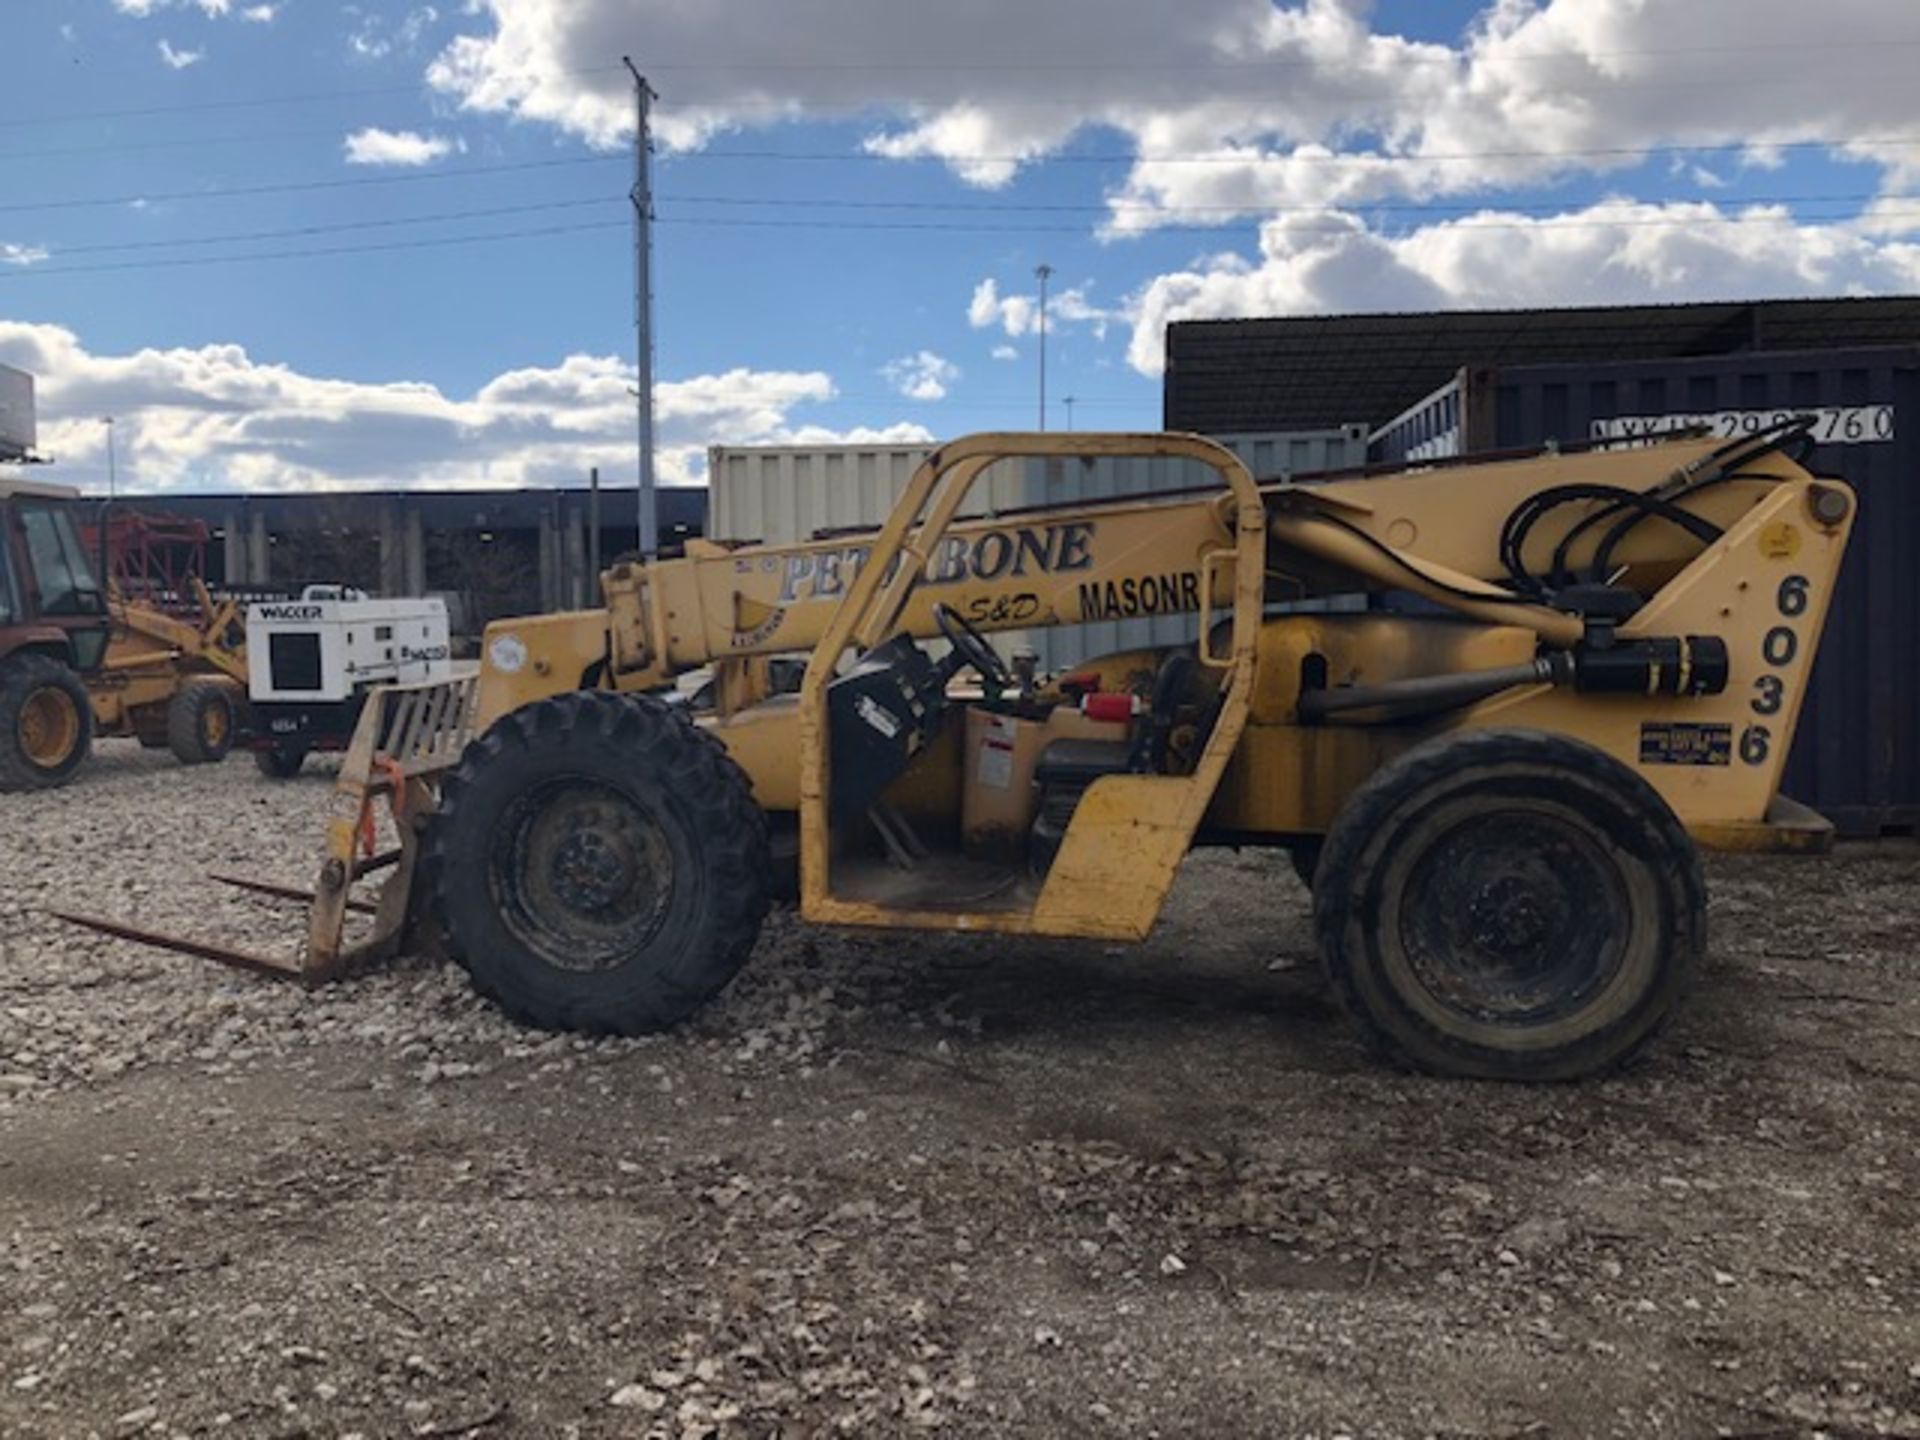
[1578,665]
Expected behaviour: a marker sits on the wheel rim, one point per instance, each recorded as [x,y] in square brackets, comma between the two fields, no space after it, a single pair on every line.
[215,724]
[584,875]
[49,726]
[1515,919]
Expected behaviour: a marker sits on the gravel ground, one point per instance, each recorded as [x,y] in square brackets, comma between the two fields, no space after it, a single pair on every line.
[933,1185]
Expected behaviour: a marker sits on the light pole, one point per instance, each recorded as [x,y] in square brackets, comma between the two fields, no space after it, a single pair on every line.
[111,478]
[1043,272]
[1067,400]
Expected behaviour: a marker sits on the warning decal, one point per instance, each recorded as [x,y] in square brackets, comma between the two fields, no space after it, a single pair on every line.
[1678,743]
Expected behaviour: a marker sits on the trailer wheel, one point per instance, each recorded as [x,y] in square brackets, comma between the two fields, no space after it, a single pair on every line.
[280,762]
[201,719]
[46,723]
[1509,904]
[598,863]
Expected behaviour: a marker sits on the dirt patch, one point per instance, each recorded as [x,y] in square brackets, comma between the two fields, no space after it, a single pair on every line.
[961,1186]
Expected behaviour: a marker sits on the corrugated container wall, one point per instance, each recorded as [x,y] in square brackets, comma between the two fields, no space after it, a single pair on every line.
[784,494]
[1857,755]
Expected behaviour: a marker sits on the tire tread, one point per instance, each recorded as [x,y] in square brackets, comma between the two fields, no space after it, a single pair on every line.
[1373,806]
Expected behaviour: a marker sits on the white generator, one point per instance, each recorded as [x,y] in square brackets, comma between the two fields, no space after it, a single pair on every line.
[312,661]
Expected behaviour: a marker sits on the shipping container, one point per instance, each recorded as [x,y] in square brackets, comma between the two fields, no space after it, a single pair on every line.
[784,494]
[1276,456]
[1856,757]
[17,437]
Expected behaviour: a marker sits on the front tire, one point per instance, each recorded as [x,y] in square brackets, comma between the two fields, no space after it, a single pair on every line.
[46,723]
[1509,904]
[599,864]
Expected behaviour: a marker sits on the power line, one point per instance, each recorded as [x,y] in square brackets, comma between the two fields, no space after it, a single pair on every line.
[1685,222]
[186,142]
[1243,158]
[1246,157]
[1234,157]
[33,271]
[1547,209]
[293,186]
[245,237]
[1147,207]
[251,102]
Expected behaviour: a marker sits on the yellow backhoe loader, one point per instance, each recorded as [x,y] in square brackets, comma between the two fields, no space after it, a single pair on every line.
[174,681]
[1575,667]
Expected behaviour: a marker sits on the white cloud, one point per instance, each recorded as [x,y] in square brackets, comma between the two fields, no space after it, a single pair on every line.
[1005,352]
[1615,252]
[212,9]
[1020,314]
[921,376]
[901,432]
[213,417]
[1263,94]
[260,14]
[11,254]
[374,39]
[180,59]
[1016,314]
[373,146]
[1299,113]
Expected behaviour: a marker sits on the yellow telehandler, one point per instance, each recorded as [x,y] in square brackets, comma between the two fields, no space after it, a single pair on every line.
[1577,666]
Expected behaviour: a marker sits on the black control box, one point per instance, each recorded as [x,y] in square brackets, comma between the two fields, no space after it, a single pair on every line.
[880,714]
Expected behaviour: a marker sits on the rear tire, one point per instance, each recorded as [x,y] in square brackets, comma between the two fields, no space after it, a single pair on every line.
[598,863]
[201,719]
[1509,904]
[46,723]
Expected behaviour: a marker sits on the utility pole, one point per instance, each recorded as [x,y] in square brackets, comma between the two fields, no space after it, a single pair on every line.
[111,467]
[1044,272]
[643,97]
[1067,400]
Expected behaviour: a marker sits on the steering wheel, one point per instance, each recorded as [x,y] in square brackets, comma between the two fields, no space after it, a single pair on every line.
[971,648]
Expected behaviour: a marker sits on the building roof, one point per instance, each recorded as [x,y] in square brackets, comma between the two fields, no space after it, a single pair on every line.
[679,506]
[1301,373]
[39,489]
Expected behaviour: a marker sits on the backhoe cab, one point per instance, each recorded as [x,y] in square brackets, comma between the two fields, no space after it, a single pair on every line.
[53,633]
[1572,668]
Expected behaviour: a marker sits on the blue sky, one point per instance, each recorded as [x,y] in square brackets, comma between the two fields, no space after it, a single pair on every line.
[1228,157]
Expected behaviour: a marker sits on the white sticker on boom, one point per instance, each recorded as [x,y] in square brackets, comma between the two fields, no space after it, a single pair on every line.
[996,752]
[878,716]
[508,653]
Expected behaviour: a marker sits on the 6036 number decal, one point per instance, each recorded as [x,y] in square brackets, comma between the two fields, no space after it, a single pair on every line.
[1779,648]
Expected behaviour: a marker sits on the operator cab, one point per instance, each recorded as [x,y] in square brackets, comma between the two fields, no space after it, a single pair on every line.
[967,769]
[47,582]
